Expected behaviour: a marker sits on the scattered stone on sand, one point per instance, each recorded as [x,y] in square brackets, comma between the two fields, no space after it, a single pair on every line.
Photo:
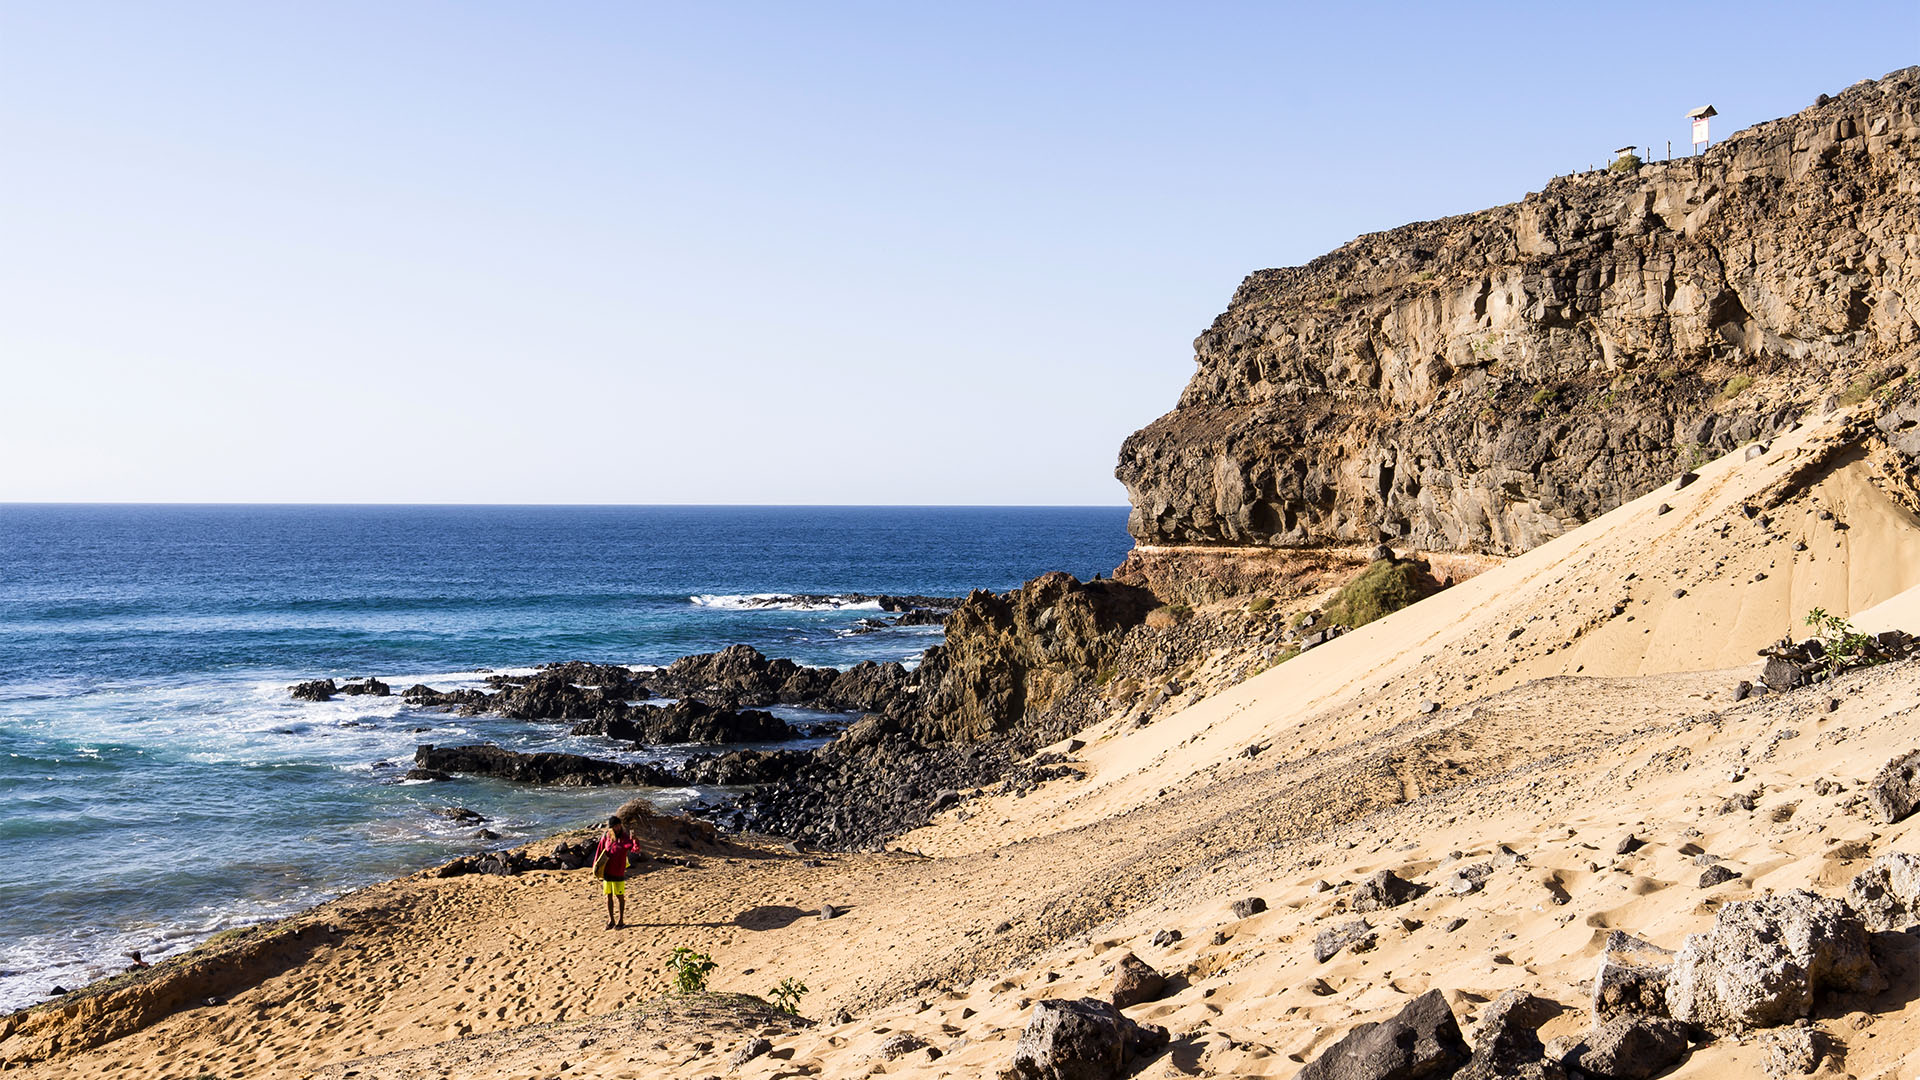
[1422,1040]
[749,1050]
[1631,1048]
[1468,879]
[1134,981]
[1506,1041]
[1248,907]
[1385,889]
[1356,936]
[1793,1051]
[1895,790]
[900,1045]
[1887,893]
[1717,874]
[1632,978]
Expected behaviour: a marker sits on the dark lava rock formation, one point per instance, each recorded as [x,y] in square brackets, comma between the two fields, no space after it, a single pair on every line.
[689,721]
[1485,382]
[1012,655]
[740,675]
[559,770]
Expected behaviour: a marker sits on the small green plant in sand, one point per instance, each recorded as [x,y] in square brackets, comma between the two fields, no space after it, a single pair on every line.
[786,997]
[1843,646]
[1383,588]
[1259,604]
[689,970]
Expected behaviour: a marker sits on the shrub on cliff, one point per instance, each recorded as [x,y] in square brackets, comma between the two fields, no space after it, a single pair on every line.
[1383,588]
[1167,616]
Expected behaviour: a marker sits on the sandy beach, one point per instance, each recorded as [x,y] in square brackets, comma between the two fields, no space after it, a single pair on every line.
[1527,719]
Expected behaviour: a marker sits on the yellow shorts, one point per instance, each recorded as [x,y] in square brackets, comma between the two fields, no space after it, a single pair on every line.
[614,888]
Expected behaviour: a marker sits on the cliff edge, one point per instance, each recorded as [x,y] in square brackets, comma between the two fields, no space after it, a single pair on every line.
[1484,383]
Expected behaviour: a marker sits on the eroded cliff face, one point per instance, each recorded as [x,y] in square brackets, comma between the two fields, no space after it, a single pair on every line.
[1484,383]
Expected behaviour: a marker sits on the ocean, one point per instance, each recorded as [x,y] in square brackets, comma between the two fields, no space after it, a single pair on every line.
[158,784]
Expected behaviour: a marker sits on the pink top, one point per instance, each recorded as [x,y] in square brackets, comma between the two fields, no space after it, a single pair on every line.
[616,851]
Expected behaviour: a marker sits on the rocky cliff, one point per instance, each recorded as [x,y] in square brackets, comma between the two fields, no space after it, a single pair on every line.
[1009,656]
[1485,382]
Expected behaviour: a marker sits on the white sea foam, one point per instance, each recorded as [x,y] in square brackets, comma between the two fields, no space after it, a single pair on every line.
[780,602]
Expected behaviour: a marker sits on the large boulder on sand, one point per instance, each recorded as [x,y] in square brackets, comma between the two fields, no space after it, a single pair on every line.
[1887,893]
[1506,1043]
[1422,1040]
[1632,979]
[1630,1048]
[1764,960]
[1895,790]
[1084,1039]
[1134,981]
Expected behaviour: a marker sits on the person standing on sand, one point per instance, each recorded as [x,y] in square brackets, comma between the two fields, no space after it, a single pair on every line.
[610,866]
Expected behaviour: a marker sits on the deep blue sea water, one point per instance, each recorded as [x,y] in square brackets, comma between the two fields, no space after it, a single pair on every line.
[157,784]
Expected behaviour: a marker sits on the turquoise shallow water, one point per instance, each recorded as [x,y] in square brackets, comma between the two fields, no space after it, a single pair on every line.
[157,784]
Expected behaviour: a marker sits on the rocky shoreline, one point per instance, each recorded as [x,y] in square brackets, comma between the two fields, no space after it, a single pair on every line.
[1017,673]
[1013,671]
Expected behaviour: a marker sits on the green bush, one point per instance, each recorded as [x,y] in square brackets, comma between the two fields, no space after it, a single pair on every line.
[1843,644]
[1857,391]
[1169,615]
[786,997]
[1259,604]
[1735,386]
[689,969]
[1626,163]
[1383,588]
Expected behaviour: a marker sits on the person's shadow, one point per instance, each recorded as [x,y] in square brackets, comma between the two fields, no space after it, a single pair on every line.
[774,916]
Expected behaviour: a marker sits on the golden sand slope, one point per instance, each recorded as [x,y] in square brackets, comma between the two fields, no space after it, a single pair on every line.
[1553,742]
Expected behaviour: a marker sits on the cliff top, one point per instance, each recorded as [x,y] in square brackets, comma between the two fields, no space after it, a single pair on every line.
[1784,148]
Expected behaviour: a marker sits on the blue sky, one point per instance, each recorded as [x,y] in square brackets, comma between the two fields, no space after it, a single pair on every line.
[746,253]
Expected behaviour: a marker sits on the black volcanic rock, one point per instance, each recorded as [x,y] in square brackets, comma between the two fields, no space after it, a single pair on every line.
[740,675]
[688,721]
[737,767]
[560,770]
[314,690]
[554,697]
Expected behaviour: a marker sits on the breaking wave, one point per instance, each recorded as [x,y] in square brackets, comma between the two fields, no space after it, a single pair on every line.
[782,602]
